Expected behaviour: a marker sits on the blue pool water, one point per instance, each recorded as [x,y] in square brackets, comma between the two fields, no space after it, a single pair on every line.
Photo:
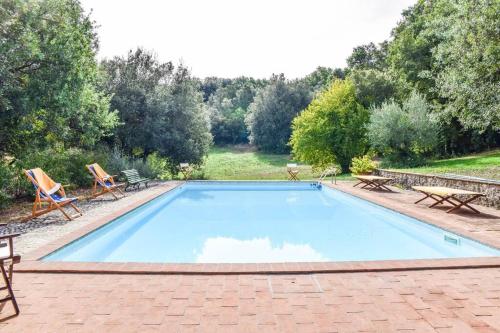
[240,222]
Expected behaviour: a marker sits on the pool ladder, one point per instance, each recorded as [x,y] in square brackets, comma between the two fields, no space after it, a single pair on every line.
[332,170]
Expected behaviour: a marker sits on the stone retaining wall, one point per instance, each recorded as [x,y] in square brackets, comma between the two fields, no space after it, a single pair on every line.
[408,179]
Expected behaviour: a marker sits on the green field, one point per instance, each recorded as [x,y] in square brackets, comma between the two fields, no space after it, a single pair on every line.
[484,165]
[244,163]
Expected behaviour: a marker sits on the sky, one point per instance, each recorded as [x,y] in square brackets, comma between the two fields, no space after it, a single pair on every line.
[231,38]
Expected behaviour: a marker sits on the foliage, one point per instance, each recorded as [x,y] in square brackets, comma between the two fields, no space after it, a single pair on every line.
[272,112]
[372,86]
[161,109]
[7,184]
[133,81]
[154,167]
[448,51]
[181,131]
[403,134]
[228,106]
[470,58]
[159,166]
[332,128]
[362,165]
[368,56]
[322,77]
[66,166]
[48,77]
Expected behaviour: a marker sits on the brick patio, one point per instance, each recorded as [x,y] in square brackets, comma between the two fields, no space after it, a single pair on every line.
[406,297]
[419,301]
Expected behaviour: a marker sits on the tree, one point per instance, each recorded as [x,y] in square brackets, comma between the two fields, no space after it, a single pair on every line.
[132,81]
[48,76]
[332,129]
[368,56]
[469,58]
[322,77]
[181,130]
[448,51]
[403,134]
[272,112]
[228,106]
[372,86]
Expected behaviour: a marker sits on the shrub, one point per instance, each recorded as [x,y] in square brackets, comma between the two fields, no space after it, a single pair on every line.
[331,129]
[64,166]
[405,134]
[152,167]
[159,166]
[362,165]
[7,183]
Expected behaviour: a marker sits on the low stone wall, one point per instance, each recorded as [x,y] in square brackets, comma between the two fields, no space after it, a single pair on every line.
[408,179]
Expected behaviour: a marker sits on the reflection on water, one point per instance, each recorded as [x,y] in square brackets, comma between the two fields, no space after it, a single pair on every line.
[231,250]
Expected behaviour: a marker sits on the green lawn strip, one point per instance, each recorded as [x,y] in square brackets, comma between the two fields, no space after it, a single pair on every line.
[228,163]
[484,165]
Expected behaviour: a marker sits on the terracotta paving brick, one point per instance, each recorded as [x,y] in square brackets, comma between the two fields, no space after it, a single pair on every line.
[336,302]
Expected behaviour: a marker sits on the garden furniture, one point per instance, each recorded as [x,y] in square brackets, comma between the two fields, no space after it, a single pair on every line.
[293,171]
[186,170]
[48,191]
[8,259]
[105,181]
[456,197]
[134,179]
[373,182]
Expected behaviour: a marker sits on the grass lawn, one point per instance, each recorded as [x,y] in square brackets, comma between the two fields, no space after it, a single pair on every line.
[244,163]
[484,165]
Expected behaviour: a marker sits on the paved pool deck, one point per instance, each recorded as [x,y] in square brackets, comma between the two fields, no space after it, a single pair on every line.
[415,296]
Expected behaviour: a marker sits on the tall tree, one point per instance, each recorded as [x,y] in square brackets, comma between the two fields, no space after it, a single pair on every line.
[181,131]
[228,106]
[132,81]
[48,77]
[322,77]
[272,112]
[368,56]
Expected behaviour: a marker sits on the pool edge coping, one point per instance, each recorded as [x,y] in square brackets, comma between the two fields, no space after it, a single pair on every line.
[31,262]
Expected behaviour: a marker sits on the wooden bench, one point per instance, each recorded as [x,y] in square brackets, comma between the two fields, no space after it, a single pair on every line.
[373,182]
[133,179]
[450,195]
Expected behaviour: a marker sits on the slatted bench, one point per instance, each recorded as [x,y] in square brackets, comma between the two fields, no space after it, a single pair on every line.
[134,180]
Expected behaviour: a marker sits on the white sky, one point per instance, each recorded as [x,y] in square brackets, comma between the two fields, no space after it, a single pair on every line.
[229,38]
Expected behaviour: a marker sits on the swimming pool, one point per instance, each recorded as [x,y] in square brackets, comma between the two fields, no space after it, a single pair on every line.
[263,222]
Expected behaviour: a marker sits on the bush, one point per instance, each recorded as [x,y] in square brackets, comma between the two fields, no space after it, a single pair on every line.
[362,165]
[159,166]
[64,166]
[7,183]
[405,134]
[153,167]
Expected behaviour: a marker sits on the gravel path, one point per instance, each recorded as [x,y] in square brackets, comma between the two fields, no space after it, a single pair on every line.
[47,228]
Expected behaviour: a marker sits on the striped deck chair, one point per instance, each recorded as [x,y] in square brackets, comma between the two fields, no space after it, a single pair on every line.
[48,191]
[105,181]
